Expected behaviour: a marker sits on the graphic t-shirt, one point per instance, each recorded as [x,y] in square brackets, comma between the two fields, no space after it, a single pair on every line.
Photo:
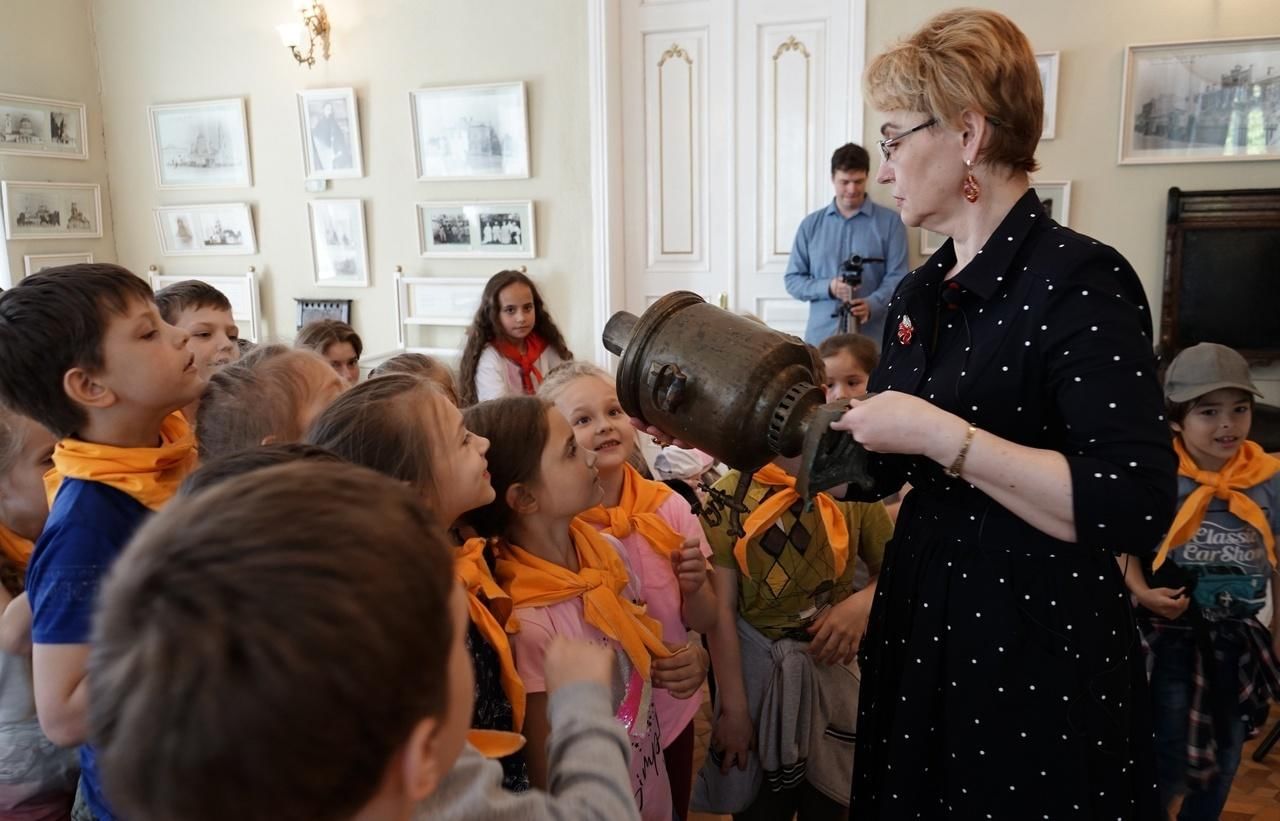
[1227,555]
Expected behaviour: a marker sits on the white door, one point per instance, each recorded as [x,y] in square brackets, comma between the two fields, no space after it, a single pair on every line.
[730,110]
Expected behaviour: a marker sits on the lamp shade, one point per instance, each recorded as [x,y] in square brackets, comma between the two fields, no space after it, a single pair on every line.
[291,34]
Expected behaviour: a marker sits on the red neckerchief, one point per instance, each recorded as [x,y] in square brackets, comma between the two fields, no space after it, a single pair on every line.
[534,345]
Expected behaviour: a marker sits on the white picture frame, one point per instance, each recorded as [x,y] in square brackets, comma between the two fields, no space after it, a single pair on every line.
[473,132]
[442,302]
[482,230]
[1055,194]
[329,122]
[339,250]
[51,210]
[35,263]
[1188,102]
[202,144]
[217,229]
[1047,62]
[241,290]
[40,127]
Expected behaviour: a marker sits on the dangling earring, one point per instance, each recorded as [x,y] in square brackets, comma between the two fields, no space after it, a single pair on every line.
[971,188]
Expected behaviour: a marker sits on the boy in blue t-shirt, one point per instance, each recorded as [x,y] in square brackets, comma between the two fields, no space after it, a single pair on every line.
[1213,664]
[84,352]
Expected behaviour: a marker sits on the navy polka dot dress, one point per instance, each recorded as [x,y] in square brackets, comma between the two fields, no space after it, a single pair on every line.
[1002,675]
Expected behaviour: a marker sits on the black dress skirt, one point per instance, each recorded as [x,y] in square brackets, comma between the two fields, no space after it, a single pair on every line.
[1002,675]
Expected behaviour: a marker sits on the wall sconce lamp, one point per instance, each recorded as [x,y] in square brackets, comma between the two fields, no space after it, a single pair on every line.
[314,26]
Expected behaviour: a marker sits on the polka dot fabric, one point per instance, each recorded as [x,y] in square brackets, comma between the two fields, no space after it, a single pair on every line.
[1002,676]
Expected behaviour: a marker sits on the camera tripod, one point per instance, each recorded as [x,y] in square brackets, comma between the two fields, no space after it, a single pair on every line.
[851,275]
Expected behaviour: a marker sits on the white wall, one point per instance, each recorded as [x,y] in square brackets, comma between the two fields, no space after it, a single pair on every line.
[1123,206]
[47,50]
[188,50]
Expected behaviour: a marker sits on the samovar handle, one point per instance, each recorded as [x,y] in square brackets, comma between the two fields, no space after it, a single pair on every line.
[667,382]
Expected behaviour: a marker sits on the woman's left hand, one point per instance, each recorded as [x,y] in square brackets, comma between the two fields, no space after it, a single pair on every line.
[893,422]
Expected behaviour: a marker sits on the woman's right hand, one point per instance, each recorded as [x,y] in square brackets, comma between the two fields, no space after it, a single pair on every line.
[733,737]
[1164,601]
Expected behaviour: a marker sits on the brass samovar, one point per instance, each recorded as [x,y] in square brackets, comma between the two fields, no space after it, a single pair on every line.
[734,388]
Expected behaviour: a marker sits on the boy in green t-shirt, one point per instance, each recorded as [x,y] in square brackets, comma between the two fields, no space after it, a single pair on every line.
[791,578]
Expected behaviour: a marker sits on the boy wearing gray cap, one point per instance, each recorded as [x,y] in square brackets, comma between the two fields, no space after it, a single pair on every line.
[1212,662]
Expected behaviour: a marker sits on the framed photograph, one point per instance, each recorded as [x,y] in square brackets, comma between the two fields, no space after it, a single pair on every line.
[309,310]
[38,127]
[35,263]
[241,290]
[471,132]
[201,145]
[1201,101]
[330,134]
[1047,62]
[1055,196]
[476,229]
[338,248]
[51,210]
[191,230]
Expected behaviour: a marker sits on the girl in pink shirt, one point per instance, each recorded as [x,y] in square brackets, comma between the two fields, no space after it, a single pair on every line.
[565,578]
[666,548]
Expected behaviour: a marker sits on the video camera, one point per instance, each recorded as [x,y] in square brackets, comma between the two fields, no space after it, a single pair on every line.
[851,275]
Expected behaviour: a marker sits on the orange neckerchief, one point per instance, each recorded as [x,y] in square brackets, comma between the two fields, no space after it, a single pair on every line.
[535,582]
[150,475]
[534,345]
[637,513]
[14,548]
[490,611]
[1248,467]
[771,509]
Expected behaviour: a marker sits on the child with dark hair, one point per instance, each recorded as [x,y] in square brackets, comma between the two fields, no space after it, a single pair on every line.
[85,352]
[337,342]
[566,579]
[512,342]
[204,312]
[847,362]
[660,534]
[1213,663]
[272,395]
[405,427]
[427,367]
[37,780]
[267,653]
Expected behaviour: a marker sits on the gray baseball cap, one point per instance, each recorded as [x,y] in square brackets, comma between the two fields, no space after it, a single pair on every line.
[1205,368]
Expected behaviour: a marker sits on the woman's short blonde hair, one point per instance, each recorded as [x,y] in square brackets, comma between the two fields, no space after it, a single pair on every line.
[967,59]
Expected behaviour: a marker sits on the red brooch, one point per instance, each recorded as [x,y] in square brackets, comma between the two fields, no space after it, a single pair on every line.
[905,330]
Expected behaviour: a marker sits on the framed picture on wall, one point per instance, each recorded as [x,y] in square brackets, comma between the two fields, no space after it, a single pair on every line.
[476,229]
[191,230]
[201,145]
[1047,62]
[1201,101]
[35,263]
[471,132]
[310,310]
[1055,196]
[330,134]
[338,249]
[51,210]
[38,127]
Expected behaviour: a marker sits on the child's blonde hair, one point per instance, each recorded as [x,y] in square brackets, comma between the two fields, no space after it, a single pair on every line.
[261,395]
[561,375]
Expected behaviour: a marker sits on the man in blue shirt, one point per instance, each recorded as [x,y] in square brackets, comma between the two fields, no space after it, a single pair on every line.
[851,224]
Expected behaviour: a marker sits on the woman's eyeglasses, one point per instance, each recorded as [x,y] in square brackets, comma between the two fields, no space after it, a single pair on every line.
[886,145]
